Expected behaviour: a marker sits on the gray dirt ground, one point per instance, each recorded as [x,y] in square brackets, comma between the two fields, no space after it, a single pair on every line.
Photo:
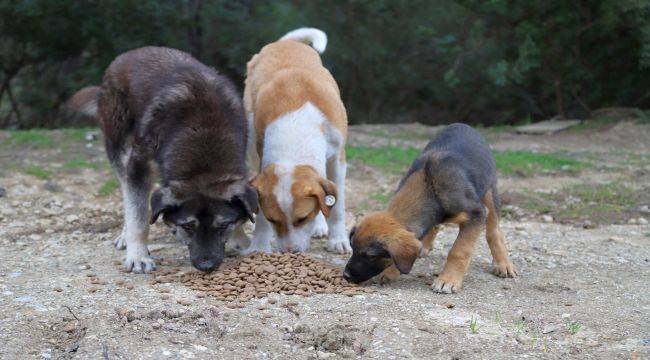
[583,290]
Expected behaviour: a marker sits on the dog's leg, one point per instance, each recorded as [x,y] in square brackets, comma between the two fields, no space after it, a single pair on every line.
[239,238]
[320,227]
[502,266]
[390,274]
[338,241]
[451,277]
[427,241]
[261,241]
[136,188]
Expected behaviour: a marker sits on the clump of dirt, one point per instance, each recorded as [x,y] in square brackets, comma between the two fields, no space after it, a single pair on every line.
[260,274]
[332,338]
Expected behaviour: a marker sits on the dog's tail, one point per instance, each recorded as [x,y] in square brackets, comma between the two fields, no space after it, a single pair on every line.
[316,38]
[83,102]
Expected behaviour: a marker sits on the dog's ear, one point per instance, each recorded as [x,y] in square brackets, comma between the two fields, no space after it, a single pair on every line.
[403,250]
[248,201]
[162,200]
[325,193]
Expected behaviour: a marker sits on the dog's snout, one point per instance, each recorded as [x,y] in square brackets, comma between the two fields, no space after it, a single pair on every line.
[206,265]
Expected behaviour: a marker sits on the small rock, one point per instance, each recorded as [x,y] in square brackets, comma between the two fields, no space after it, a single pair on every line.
[547,218]
[549,328]
[644,209]
[57,289]
[184,301]
[51,186]
[70,327]
[449,305]
[642,221]
[616,239]
[324,355]
[71,218]
[524,339]
[91,136]
[632,221]
[566,316]
[3,192]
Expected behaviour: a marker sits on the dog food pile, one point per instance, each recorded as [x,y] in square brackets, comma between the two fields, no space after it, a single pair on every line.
[260,274]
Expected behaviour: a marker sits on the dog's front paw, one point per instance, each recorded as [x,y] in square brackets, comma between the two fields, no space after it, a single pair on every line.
[340,245]
[447,283]
[120,242]
[139,264]
[390,274]
[320,230]
[505,269]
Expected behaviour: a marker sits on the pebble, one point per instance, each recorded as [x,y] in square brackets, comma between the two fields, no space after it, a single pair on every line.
[547,218]
[616,239]
[71,218]
[184,301]
[324,355]
[57,289]
[642,221]
[549,328]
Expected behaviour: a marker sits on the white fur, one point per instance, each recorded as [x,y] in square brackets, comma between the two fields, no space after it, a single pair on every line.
[313,36]
[296,139]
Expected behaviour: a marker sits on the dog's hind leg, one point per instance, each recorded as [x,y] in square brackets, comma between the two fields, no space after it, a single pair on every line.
[427,241]
[502,266]
[338,241]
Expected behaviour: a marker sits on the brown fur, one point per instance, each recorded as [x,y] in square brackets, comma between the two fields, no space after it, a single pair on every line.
[282,78]
[265,182]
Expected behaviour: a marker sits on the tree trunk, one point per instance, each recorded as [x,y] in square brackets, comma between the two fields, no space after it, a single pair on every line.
[195,30]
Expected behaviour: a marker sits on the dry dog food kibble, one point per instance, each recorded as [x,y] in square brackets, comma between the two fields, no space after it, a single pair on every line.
[259,274]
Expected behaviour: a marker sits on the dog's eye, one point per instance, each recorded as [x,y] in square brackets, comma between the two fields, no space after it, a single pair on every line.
[189,226]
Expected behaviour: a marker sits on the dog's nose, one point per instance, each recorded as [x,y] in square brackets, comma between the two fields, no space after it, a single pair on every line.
[206,265]
[346,275]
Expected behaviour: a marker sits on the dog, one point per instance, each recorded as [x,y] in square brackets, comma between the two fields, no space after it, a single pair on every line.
[160,106]
[452,181]
[300,128]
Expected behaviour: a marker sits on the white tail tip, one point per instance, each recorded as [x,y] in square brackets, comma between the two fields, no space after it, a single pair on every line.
[313,36]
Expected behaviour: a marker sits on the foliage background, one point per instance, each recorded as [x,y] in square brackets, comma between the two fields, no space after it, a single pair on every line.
[432,61]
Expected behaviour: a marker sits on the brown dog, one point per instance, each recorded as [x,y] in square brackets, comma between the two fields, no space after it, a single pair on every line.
[300,126]
[452,181]
[160,106]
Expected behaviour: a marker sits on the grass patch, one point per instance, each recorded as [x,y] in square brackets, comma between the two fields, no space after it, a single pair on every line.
[36,138]
[573,328]
[526,163]
[599,198]
[382,198]
[79,163]
[76,134]
[388,158]
[473,325]
[108,187]
[38,172]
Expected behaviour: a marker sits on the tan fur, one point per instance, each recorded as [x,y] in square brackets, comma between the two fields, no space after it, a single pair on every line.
[282,78]
[265,182]
[384,227]
[408,201]
[459,256]
[502,266]
[309,190]
[427,241]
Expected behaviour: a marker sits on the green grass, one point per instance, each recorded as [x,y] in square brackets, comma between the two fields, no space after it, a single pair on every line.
[473,325]
[77,134]
[38,172]
[388,158]
[108,187]
[612,198]
[382,198]
[35,138]
[526,163]
[79,163]
[573,328]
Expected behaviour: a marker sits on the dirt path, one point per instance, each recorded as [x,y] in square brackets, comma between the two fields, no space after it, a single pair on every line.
[583,291]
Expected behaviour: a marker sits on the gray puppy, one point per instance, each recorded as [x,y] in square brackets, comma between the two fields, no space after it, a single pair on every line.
[160,106]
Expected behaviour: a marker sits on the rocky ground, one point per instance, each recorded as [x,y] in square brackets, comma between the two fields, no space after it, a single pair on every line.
[576,222]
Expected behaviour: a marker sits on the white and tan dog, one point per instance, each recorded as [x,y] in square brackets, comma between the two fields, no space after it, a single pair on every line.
[299,125]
